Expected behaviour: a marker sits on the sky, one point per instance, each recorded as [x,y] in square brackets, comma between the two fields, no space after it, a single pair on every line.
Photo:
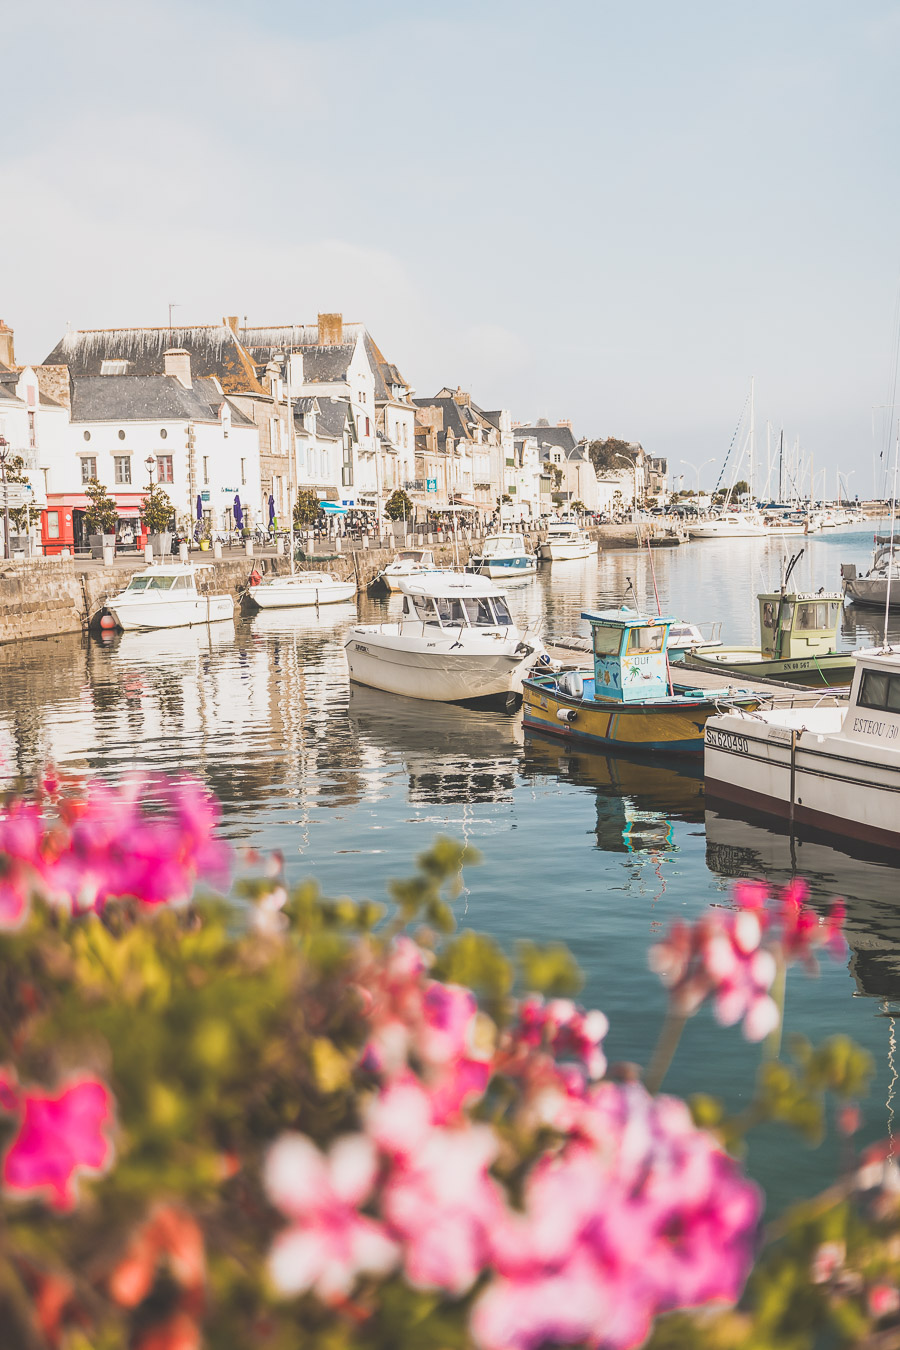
[613,213]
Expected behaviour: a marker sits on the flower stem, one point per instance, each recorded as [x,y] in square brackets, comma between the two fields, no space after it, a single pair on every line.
[664,1052]
[779,994]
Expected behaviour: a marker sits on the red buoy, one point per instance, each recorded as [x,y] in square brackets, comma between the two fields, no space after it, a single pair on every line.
[107,621]
[255,578]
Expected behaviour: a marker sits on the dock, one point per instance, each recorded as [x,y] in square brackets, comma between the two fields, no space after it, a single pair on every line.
[574,652]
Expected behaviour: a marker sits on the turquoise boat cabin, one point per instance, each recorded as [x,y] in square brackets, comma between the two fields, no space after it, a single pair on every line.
[629,655]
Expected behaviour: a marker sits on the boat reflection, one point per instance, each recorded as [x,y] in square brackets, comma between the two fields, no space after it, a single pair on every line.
[304,619]
[452,754]
[167,646]
[739,848]
[638,802]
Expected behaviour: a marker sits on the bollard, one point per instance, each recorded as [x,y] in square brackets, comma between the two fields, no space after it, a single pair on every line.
[148,553]
[248,548]
[365,541]
[108,555]
[337,543]
[217,549]
[183,552]
[65,553]
[279,547]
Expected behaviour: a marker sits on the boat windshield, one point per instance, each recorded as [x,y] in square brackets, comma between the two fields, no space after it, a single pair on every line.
[607,640]
[822,614]
[450,610]
[153,583]
[407,556]
[478,608]
[505,545]
[425,609]
[646,639]
[878,689]
[504,618]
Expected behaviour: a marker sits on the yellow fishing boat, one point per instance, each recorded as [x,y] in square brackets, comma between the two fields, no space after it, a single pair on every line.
[628,701]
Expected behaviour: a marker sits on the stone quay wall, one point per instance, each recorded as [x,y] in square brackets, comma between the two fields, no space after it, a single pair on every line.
[44,597]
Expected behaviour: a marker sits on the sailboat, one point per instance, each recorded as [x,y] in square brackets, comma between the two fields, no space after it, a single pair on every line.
[298,588]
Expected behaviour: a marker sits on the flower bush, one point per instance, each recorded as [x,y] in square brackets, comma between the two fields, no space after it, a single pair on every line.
[268,1118]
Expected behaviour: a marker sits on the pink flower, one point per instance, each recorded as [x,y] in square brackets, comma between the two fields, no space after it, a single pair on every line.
[562,1029]
[884,1301]
[329,1243]
[59,1137]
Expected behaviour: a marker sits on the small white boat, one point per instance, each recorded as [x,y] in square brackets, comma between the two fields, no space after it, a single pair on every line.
[407,563]
[166,596]
[301,588]
[730,525]
[455,641]
[565,542]
[835,768]
[503,555]
[872,588]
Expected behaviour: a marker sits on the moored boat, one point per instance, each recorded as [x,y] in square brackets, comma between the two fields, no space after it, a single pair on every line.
[799,632]
[730,525]
[166,596]
[301,588]
[566,542]
[832,768]
[455,641]
[628,701]
[880,586]
[503,555]
[407,563]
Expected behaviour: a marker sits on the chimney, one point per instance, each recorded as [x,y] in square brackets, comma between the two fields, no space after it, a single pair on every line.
[565,422]
[7,355]
[331,330]
[231,322]
[178,363]
[461,398]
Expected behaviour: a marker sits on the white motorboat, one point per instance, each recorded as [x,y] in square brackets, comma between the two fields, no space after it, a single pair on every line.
[166,596]
[301,588]
[872,589]
[730,525]
[455,641]
[408,562]
[565,542]
[503,555]
[835,768]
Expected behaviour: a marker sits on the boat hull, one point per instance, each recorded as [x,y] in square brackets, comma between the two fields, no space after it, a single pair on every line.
[283,596]
[148,614]
[835,668]
[805,777]
[872,591]
[664,727]
[553,551]
[429,668]
[503,567]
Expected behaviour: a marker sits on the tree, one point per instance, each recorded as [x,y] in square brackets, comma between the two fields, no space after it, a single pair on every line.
[157,510]
[306,509]
[740,487]
[579,506]
[102,515]
[556,474]
[18,515]
[603,454]
[398,506]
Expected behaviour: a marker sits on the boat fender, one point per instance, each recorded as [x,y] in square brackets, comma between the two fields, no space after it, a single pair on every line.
[255,578]
[523,649]
[566,714]
[544,659]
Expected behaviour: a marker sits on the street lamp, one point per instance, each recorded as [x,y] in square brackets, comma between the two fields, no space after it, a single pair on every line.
[697,472]
[633,463]
[4,456]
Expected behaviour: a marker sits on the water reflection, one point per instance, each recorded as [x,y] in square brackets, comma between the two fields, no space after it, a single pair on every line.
[739,848]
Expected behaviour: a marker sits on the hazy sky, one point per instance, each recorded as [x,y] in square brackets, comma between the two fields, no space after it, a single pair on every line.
[615,213]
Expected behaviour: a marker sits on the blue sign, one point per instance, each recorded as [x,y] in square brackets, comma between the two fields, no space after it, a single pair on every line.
[431,485]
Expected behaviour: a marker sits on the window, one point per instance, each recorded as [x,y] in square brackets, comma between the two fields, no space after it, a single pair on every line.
[88,468]
[121,435]
[164,472]
[87,435]
[52,524]
[114,367]
[206,468]
[880,690]
[504,618]
[32,436]
[646,639]
[163,434]
[479,612]
[123,468]
[243,473]
[607,640]
[821,615]
[768,615]
[450,610]
[368,427]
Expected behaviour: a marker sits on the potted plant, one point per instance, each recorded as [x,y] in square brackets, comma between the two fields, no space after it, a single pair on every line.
[101,517]
[399,509]
[156,515]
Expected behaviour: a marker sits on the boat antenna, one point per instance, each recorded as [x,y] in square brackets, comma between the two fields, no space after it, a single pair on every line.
[890,564]
[789,569]
[629,587]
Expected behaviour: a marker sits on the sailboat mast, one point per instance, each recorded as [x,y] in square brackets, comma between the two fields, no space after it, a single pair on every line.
[752,442]
[890,562]
[781,467]
[292,451]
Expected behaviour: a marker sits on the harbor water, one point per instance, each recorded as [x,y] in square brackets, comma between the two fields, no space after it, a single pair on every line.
[602,853]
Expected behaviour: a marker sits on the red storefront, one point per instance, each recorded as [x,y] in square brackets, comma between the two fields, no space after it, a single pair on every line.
[62,520]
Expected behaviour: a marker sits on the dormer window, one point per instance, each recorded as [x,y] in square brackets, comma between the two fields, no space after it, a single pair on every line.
[114,367]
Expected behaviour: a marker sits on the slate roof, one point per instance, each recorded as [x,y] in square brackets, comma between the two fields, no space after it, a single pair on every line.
[213,348]
[560,437]
[332,417]
[320,364]
[143,398]
[460,418]
[323,365]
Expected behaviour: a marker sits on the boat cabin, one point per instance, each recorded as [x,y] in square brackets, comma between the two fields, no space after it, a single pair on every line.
[798,624]
[506,545]
[421,557]
[453,600]
[629,655]
[175,577]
